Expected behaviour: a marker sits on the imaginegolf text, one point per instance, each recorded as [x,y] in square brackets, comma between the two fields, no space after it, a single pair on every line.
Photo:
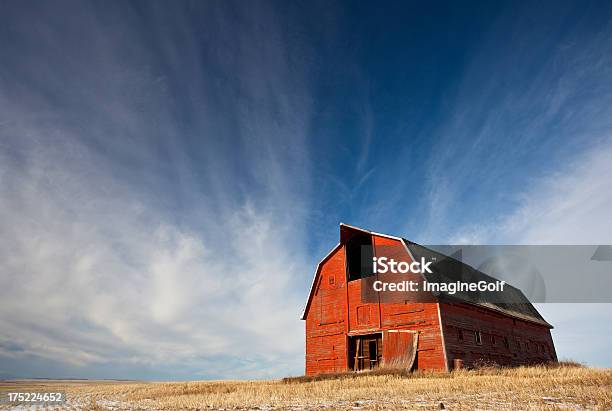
[449,288]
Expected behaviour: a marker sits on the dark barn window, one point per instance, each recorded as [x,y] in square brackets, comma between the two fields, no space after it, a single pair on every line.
[478,337]
[359,256]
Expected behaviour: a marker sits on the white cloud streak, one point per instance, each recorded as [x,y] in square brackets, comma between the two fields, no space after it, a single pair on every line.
[571,206]
[117,246]
[519,113]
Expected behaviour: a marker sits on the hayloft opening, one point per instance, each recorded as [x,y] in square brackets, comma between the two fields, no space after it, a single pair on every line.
[359,256]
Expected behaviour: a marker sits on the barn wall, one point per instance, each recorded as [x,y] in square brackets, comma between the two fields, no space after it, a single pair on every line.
[326,319]
[361,316]
[504,340]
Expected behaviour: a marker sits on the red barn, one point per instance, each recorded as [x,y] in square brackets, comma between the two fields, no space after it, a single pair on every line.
[344,332]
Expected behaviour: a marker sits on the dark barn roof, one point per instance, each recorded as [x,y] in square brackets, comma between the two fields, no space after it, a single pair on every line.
[510,301]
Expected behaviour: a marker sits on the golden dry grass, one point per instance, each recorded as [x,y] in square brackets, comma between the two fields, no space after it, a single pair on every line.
[539,387]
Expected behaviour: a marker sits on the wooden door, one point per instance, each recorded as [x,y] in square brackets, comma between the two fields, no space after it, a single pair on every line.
[366,352]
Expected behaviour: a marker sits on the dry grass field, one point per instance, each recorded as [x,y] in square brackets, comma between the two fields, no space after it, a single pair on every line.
[555,388]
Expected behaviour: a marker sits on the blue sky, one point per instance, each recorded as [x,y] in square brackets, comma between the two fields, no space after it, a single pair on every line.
[171,172]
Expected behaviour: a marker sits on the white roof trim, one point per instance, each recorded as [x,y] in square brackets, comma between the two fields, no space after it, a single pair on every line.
[371,232]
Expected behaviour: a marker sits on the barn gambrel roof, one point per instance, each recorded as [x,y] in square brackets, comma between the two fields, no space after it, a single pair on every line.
[511,301]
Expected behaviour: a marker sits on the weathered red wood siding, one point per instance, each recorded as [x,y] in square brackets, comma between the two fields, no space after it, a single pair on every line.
[326,348]
[504,340]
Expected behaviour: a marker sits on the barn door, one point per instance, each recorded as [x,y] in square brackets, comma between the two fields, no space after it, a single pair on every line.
[365,352]
[400,349]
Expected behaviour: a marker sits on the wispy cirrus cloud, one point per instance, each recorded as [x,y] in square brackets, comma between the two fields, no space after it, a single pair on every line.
[563,196]
[520,112]
[153,179]
[569,206]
